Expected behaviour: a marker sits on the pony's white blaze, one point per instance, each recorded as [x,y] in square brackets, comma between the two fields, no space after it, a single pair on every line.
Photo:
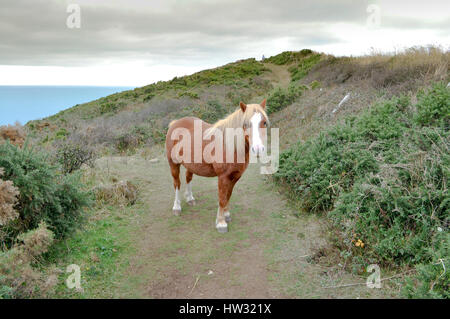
[257,144]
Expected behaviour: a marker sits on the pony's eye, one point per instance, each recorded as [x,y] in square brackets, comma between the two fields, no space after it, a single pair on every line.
[265,123]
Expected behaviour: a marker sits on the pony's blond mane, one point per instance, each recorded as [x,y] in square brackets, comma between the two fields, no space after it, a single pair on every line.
[237,119]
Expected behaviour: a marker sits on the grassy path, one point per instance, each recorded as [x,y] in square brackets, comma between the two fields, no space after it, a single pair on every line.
[279,76]
[143,251]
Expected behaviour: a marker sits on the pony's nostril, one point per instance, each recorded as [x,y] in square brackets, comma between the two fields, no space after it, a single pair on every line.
[262,148]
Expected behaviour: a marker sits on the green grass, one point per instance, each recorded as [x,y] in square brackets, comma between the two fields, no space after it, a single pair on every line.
[101,249]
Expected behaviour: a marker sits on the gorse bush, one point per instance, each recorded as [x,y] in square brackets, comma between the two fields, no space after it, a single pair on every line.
[315,85]
[434,108]
[190,94]
[18,277]
[227,74]
[61,133]
[382,179]
[111,107]
[211,112]
[279,98]
[288,57]
[432,279]
[44,194]
[302,69]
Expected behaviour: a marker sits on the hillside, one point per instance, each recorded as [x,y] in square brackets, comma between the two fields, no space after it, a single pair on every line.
[386,142]
[133,118]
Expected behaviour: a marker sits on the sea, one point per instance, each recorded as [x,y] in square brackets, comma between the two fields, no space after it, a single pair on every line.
[25,103]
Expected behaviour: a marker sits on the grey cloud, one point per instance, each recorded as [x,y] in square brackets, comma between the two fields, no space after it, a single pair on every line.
[33,32]
[412,23]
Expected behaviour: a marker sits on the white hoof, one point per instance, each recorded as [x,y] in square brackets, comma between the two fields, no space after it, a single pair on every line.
[222,227]
[177,212]
[191,202]
[227,217]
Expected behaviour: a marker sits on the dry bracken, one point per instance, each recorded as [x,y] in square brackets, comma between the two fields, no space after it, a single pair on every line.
[8,199]
[13,133]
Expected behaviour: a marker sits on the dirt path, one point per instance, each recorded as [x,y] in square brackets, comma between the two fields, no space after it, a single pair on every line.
[279,75]
[266,253]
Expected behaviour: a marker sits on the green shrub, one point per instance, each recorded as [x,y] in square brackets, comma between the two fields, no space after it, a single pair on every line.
[159,135]
[211,112]
[315,85]
[44,194]
[288,57]
[192,95]
[434,106]
[382,180]
[302,69]
[148,97]
[61,133]
[126,141]
[111,107]
[432,280]
[279,98]
[151,132]
[73,156]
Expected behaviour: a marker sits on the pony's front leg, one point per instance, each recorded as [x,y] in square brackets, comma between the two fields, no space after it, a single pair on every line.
[224,187]
[188,194]
[175,170]
[227,214]
[230,191]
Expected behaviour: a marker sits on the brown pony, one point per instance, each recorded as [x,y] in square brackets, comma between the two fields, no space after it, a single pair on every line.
[251,120]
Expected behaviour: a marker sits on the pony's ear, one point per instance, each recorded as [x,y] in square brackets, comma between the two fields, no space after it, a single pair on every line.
[263,104]
[243,106]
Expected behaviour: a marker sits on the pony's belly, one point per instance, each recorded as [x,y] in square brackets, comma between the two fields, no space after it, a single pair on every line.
[200,169]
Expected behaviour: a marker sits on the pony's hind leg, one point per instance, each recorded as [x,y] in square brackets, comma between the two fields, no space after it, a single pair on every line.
[175,170]
[189,197]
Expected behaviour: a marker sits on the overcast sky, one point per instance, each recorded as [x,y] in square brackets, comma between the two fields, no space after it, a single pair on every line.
[137,42]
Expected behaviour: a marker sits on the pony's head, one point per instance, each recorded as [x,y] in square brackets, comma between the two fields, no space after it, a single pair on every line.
[252,119]
[254,123]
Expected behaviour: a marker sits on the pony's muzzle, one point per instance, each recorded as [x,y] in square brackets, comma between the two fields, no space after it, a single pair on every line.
[258,149]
